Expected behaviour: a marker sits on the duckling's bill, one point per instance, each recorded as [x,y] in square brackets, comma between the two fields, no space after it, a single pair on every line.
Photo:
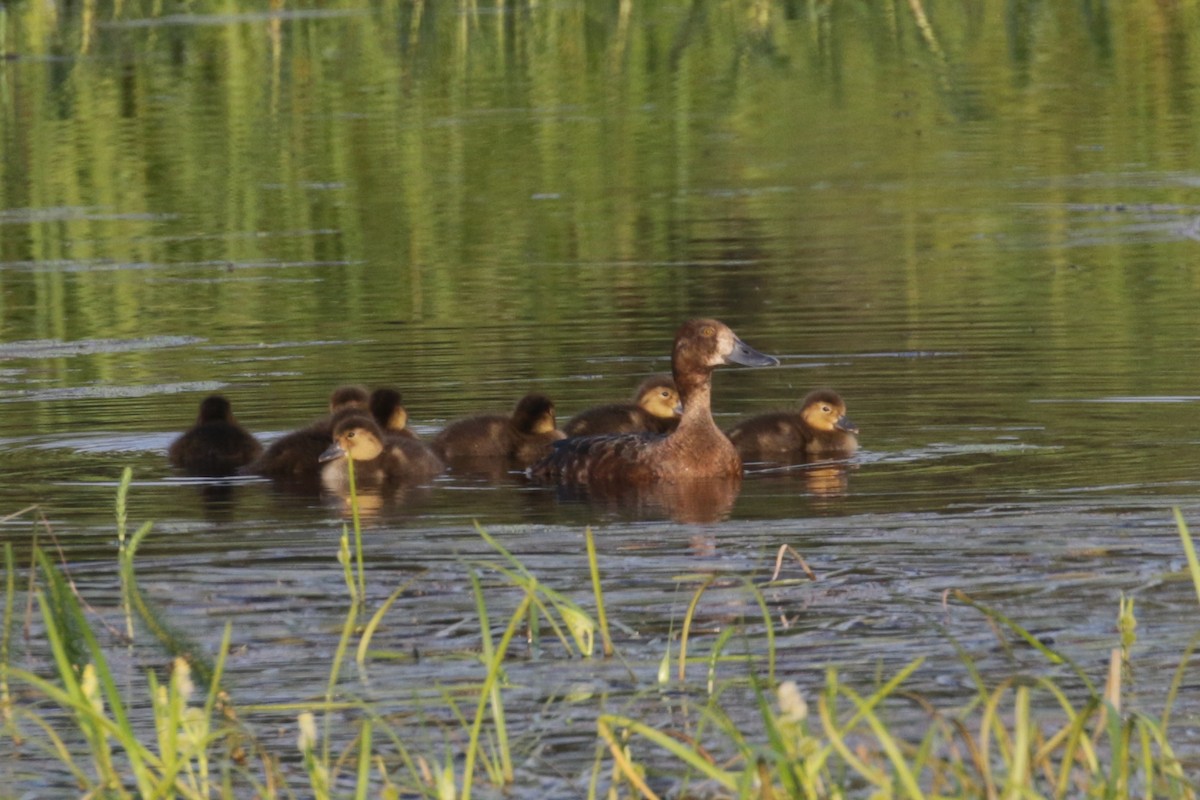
[332,453]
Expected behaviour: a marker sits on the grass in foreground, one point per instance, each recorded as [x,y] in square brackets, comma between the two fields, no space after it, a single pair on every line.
[170,738]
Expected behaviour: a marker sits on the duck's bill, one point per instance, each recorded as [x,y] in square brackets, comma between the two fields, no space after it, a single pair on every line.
[333,453]
[747,356]
[846,425]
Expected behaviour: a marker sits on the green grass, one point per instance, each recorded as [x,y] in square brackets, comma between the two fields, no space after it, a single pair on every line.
[751,736]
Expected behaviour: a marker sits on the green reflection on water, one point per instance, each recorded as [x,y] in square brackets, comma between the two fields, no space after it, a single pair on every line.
[482,198]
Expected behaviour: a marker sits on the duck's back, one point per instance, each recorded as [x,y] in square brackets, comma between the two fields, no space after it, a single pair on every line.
[604,460]
[767,435]
[418,460]
[295,454]
[640,458]
[214,449]
[618,418]
[483,436]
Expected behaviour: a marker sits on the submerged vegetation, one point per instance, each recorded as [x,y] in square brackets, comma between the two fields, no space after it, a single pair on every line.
[737,730]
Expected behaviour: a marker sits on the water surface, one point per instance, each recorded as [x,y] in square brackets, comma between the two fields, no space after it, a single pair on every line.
[982,232]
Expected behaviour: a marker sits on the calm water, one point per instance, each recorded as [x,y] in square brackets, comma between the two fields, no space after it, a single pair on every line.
[983,233]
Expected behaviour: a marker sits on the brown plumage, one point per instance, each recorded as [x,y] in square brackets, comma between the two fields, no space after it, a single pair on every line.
[697,449]
[388,410]
[655,409]
[378,460]
[520,439]
[819,428]
[216,446]
[294,455]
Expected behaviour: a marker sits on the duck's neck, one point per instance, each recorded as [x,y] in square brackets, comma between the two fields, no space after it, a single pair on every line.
[695,393]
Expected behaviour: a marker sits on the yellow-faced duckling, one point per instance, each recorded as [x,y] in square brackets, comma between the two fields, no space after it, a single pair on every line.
[388,410]
[697,449]
[521,438]
[378,461]
[655,409]
[216,446]
[293,456]
[820,428]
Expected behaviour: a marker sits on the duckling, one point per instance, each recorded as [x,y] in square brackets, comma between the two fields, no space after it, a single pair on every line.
[655,409]
[387,410]
[521,439]
[697,449]
[216,446]
[378,462]
[294,455]
[819,429]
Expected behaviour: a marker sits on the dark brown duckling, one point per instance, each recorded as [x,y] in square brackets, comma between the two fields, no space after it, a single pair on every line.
[388,410]
[697,449]
[655,409]
[819,428]
[216,446]
[293,456]
[378,462]
[521,438]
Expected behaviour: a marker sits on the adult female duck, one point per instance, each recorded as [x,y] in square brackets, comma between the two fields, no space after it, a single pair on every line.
[697,449]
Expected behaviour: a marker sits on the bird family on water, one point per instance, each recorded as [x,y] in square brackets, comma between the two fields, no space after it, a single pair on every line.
[666,434]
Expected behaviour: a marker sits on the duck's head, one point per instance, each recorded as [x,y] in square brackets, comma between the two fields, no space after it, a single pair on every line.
[701,344]
[534,414]
[215,408]
[657,395]
[347,397]
[387,410]
[824,410]
[357,437]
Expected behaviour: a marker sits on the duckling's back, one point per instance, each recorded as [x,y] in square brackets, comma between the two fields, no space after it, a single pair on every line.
[483,436]
[618,418]
[215,449]
[769,435]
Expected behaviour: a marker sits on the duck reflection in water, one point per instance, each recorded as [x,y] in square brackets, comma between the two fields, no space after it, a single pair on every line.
[694,472]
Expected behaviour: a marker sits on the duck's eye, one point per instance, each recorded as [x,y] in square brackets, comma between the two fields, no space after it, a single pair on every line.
[707,330]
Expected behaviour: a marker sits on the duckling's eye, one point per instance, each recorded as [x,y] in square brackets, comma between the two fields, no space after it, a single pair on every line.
[826,409]
[707,330]
[664,393]
[349,434]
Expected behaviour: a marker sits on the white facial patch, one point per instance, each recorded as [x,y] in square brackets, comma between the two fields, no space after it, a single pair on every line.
[726,342]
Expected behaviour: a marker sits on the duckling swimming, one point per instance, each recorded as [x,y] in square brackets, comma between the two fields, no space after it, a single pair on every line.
[819,429]
[521,438]
[294,455]
[697,449]
[655,409]
[387,409]
[216,446]
[378,462]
